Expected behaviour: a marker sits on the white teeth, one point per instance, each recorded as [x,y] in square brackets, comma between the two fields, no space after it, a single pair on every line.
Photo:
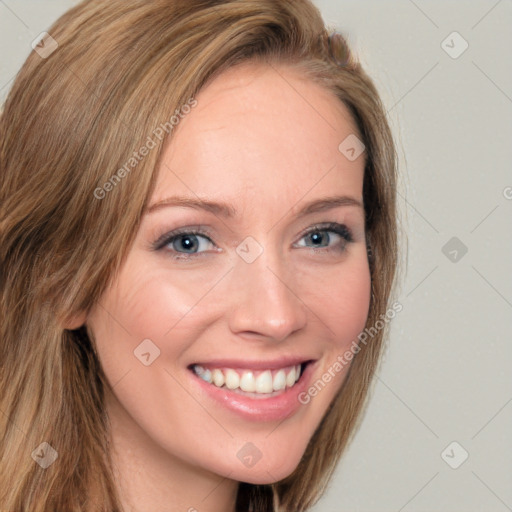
[279,381]
[218,378]
[204,373]
[266,382]
[290,378]
[232,379]
[248,382]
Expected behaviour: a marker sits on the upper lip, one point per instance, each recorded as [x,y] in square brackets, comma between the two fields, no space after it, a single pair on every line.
[255,364]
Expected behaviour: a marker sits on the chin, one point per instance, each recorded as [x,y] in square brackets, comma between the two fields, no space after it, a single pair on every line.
[269,472]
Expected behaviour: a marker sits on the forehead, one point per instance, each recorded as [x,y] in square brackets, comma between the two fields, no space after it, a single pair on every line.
[261,131]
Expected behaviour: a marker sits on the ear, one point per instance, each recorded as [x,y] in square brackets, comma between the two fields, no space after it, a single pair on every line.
[75,321]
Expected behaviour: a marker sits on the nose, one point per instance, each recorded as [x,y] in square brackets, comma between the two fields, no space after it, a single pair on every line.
[265,303]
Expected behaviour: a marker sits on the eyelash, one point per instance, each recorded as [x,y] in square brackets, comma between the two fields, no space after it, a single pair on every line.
[334,227]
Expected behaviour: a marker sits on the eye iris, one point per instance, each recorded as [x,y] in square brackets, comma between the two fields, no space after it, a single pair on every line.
[187,242]
[316,237]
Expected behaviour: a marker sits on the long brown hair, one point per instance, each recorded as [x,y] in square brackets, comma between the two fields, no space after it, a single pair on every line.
[72,119]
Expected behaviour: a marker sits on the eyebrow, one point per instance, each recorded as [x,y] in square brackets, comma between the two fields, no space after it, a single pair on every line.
[228,211]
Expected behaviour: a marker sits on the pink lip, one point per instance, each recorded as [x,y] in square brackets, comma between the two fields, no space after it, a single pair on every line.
[274,408]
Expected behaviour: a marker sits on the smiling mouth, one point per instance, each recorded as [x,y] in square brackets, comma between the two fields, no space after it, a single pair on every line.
[254,383]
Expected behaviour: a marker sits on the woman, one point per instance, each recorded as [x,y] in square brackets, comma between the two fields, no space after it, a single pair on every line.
[197,252]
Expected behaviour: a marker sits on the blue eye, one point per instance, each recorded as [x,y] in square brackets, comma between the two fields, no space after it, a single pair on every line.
[186,240]
[191,242]
[340,231]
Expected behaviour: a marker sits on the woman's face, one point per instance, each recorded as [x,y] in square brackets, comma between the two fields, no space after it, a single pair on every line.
[277,278]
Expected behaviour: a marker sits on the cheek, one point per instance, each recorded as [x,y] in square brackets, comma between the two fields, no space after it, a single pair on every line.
[340,300]
[146,303]
[137,308]
[353,302]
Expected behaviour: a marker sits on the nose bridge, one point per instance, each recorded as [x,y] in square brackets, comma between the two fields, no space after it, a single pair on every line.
[265,301]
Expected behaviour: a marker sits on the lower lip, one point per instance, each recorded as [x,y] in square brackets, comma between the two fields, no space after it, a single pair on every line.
[278,407]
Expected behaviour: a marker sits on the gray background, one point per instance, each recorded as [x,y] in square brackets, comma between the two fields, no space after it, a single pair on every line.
[446,374]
